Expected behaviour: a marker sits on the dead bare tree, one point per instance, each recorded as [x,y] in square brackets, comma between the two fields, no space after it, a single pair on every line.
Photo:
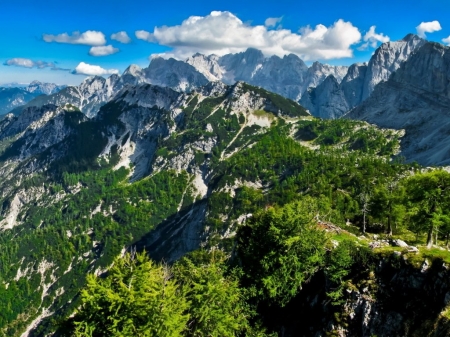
[365,198]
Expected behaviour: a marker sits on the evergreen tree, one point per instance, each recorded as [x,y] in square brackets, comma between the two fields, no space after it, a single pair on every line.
[429,197]
[137,298]
[280,248]
[217,304]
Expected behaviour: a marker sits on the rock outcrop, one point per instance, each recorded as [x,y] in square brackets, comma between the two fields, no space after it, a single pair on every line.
[416,98]
[327,100]
[361,79]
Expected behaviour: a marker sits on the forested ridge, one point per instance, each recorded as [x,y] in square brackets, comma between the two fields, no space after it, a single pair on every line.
[290,204]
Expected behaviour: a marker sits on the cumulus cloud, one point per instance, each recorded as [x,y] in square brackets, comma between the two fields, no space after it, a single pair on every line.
[371,39]
[90,38]
[144,35]
[91,70]
[428,27]
[223,32]
[103,50]
[28,63]
[122,37]
[272,22]
[446,41]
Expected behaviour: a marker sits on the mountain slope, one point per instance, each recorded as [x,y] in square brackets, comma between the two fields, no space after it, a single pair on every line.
[415,98]
[157,169]
[361,79]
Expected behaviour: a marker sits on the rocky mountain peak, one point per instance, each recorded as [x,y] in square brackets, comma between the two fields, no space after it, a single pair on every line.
[253,55]
[415,98]
[148,95]
[427,69]
[387,59]
[174,74]
[412,37]
[207,65]
[216,88]
[43,88]
[133,69]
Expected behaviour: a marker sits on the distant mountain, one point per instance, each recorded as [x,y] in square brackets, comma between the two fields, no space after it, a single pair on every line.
[44,88]
[288,76]
[12,96]
[89,96]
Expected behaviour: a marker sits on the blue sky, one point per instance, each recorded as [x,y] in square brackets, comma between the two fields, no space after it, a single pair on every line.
[30,29]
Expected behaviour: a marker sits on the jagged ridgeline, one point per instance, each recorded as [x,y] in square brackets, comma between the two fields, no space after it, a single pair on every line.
[163,171]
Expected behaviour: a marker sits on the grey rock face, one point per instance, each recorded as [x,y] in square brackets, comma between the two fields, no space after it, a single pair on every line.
[387,59]
[147,95]
[207,65]
[44,88]
[89,96]
[327,100]
[353,83]
[36,129]
[361,79]
[416,98]
[241,66]
[288,76]
[174,74]
[318,72]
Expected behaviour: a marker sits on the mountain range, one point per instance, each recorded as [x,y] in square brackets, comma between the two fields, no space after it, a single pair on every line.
[326,91]
[287,76]
[177,156]
[12,96]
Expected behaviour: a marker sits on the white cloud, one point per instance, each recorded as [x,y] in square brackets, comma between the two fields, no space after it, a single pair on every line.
[371,39]
[272,22]
[121,37]
[446,41]
[28,63]
[222,32]
[90,38]
[144,35]
[91,70]
[103,50]
[428,27]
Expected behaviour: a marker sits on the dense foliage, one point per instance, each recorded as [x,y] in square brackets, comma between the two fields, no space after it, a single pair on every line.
[141,298]
[138,298]
[279,249]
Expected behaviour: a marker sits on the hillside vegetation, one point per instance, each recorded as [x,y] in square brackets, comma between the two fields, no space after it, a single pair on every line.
[268,201]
